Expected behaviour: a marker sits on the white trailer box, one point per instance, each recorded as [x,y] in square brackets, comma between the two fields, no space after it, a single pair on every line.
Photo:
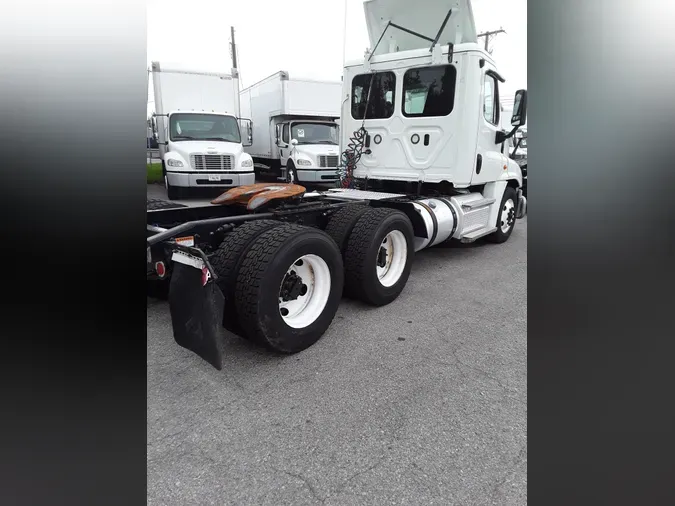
[294,126]
[200,139]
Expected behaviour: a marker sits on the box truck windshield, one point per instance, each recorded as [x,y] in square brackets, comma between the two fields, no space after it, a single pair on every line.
[204,127]
[314,133]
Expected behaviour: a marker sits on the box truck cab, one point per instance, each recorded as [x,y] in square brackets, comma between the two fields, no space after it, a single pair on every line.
[308,149]
[295,133]
[200,139]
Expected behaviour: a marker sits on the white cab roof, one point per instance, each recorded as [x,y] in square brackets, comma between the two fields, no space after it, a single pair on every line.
[422,16]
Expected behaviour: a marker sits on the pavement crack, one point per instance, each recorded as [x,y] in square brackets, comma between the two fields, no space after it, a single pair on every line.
[509,470]
[358,474]
[308,484]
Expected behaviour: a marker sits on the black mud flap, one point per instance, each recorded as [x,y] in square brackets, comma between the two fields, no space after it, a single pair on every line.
[197,313]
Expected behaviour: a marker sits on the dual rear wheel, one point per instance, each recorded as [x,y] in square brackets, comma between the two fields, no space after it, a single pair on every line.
[282,283]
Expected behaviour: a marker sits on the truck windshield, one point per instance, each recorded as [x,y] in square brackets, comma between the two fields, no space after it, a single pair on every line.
[204,127]
[314,133]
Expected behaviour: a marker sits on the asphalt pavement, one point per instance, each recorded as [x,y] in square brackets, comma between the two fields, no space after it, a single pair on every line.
[423,401]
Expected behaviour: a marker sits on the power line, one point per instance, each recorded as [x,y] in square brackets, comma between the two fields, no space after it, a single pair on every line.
[487,36]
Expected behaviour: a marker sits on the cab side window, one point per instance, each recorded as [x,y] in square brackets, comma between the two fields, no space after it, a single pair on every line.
[491,99]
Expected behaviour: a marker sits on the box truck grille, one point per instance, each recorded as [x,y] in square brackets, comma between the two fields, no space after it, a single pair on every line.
[211,162]
[328,161]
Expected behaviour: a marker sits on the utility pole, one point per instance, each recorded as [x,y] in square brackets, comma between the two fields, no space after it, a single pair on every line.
[344,37]
[234,49]
[487,36]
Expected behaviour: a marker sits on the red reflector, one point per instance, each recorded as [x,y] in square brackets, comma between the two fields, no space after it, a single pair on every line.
[206,275]
[161,270]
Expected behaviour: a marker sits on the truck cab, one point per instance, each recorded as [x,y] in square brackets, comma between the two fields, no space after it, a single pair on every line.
[308,149]
[430,106]
[204,149]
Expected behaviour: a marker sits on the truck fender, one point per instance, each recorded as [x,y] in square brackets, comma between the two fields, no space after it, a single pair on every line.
[495,190]
[512,172]
[419,227]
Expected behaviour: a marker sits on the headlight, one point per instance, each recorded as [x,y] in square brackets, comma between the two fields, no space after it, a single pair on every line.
[304,162]
[174,163]
[247,163]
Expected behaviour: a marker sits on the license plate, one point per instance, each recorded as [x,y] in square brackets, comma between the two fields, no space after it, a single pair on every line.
[186,259]
[214,178]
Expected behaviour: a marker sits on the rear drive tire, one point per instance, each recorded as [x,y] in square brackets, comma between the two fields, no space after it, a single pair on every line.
[158,288]
[379,256]
[506,217]
[342,223]
[289,287]
[227,260]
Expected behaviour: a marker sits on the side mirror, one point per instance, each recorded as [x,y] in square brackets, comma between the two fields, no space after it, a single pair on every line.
[294,142]
[519,109]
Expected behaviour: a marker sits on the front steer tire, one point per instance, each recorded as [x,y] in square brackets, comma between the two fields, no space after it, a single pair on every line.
[226,261]
[259,281]
[361,256]
[510,198]
[172,192]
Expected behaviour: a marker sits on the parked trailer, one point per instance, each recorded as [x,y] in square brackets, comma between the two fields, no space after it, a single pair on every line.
[425,164]
[199,130]
[295,134]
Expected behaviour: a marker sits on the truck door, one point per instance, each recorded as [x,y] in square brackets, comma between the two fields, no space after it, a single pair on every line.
[490,161]
[284,143]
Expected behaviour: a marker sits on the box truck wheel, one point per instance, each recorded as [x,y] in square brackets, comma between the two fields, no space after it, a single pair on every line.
[172,192]
[342,222]
[379,256]
[506,218]
[289,287]
[291,173]
[226,261]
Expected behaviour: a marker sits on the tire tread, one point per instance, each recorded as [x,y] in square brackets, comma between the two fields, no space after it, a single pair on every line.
[253,269]
[227,262]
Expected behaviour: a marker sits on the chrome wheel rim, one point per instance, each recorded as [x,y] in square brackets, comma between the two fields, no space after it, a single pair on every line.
[508,216]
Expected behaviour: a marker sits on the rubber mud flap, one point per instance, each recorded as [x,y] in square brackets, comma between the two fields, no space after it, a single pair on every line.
[197,314]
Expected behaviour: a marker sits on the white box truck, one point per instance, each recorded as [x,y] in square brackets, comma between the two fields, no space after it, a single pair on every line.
[295,134]
[198,127]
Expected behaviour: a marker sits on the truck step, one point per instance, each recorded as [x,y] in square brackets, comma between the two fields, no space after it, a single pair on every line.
[351,194]
[477,204]
[477,234]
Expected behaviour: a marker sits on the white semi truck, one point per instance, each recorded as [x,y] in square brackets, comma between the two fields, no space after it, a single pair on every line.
[295,134]
[424,162]
[198,127]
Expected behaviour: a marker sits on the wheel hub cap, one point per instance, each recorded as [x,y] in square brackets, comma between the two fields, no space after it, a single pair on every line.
[508,216]
[292,287]
[304,291]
